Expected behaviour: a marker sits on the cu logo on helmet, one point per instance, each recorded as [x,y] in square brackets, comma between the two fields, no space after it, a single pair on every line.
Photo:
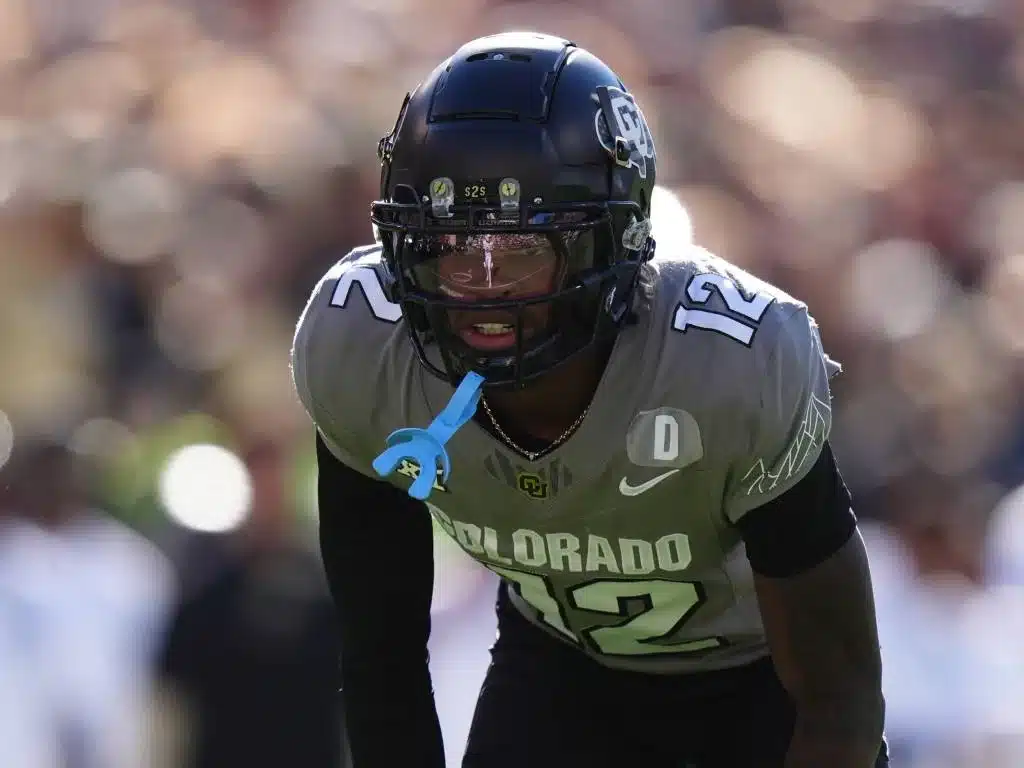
[620,117]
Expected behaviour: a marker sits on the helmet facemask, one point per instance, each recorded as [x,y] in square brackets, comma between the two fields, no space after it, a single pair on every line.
[509,299]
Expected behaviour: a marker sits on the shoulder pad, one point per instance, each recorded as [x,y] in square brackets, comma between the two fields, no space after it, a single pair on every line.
[744,358]
[342,335]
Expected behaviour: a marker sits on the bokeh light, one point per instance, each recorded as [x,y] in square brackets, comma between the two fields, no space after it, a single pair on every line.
[133,215]
[670,222]
[1006,539]
[6,438]
[206,488]
[897,288]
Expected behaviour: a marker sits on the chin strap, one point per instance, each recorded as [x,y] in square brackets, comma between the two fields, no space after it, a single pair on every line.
[425,447]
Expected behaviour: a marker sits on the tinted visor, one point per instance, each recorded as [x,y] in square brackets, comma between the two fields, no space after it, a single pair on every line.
[512,265]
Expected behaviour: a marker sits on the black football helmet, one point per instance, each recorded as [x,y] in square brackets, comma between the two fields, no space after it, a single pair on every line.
[515,207]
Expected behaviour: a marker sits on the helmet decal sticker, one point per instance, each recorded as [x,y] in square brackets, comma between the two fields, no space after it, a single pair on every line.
[619,117]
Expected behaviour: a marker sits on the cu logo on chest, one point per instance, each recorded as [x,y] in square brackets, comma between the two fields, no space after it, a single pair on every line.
[532,484]
[538,484]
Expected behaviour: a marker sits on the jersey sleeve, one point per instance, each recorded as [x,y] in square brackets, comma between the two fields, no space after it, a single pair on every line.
[324,365]
[790,420]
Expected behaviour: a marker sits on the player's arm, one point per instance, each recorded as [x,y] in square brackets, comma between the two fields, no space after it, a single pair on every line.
[814,590]
[377,549]
[376,545]
[811,574]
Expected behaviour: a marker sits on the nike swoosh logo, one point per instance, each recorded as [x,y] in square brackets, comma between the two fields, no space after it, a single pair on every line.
[635,490]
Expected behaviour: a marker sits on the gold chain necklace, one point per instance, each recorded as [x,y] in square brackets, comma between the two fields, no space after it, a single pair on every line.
[532,455]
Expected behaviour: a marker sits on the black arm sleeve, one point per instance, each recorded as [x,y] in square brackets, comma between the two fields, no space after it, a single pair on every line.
[377,549]
[804,526]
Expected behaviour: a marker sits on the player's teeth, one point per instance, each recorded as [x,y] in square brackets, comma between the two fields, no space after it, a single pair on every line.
[492,329]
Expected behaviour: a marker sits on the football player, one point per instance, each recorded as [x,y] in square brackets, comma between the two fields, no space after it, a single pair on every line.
[647,468]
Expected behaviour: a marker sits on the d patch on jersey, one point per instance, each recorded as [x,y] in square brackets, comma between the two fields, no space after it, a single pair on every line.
[412,470]
[664,437]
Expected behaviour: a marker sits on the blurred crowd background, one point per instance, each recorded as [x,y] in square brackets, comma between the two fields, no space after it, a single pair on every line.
[176,174]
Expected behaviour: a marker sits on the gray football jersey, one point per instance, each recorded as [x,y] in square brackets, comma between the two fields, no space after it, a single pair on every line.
[621,541]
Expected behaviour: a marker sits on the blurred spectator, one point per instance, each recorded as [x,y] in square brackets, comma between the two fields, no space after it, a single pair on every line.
[251,657]
[82,602]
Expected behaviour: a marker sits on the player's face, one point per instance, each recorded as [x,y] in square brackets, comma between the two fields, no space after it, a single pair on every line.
[495,267]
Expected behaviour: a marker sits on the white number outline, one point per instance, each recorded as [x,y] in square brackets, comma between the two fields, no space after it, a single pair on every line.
[629,638]
[613,640]
[543,602]
[358,272]
[701,288]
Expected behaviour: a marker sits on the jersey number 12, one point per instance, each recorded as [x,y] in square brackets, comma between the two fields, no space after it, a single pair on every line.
[700,290]
[665,607]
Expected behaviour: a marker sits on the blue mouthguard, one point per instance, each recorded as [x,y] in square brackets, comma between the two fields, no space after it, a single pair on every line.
[425,447]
